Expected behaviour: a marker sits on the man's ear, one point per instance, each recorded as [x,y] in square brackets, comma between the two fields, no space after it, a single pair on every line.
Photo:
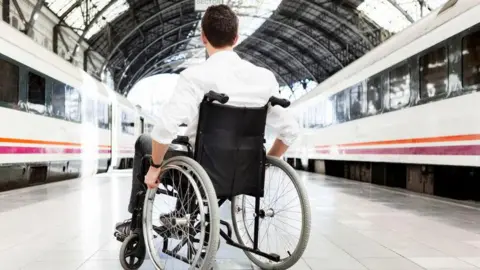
[235,40]
[203,38]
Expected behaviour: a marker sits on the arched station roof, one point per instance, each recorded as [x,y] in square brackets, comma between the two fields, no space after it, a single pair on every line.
[298,40]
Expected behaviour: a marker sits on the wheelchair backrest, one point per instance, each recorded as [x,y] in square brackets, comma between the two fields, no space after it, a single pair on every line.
[229,146]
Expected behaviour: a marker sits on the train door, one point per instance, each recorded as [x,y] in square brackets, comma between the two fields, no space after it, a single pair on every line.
[111,127]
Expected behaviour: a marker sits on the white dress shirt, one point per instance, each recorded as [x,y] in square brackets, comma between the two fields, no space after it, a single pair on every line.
[224,72]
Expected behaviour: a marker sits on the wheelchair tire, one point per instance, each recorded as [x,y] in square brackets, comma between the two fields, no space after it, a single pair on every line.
[306,221]
[134,244]
[184,165]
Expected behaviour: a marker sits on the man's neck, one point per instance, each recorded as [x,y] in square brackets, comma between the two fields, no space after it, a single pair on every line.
[211,51]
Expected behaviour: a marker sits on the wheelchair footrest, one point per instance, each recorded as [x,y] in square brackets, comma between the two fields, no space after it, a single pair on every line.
[119,236]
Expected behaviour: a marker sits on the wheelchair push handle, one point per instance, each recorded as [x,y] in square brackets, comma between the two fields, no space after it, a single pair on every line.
[279,101]
[214,96]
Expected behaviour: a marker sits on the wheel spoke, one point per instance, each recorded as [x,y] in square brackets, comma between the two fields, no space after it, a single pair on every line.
[283,191]
[184,219]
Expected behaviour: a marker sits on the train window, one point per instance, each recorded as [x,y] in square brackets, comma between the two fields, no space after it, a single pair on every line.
[128,125]
[109,116]
[399,87]
[357,101]
[328,111]
[90,111]
[433,73]
[58,99]
[305,119]
[374,95]
[341,107]
[102,112]
[9,89]
[148,128]
[36,93]
[310,121]
[320,114]
[73,104]
[471,60]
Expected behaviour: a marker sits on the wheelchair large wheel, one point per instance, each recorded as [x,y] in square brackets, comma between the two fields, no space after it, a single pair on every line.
[283,229]
[185,236]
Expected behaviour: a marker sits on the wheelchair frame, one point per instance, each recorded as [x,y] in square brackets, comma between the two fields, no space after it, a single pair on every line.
[137,214]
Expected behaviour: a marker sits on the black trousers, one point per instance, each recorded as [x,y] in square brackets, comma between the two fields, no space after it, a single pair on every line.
[143,147]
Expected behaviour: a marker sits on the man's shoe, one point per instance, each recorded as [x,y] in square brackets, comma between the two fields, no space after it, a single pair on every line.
[122,229]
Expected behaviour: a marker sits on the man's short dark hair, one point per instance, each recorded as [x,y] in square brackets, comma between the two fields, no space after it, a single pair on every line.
[220,26]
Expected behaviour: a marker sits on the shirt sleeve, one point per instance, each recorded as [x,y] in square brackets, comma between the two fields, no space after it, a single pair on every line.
[180,109]
[282,122]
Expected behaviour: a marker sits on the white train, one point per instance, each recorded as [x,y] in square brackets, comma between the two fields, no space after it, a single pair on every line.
[56,119]
[404,111]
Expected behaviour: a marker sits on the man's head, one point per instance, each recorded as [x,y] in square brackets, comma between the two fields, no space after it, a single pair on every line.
[219,28]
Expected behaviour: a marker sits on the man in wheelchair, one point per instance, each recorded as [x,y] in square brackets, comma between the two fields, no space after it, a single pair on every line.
[224,72]
[223,77]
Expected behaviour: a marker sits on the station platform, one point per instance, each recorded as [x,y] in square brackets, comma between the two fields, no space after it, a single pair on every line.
[69,225]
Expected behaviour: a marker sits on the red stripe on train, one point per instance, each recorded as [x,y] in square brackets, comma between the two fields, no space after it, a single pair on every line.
[451,150]
[44,150]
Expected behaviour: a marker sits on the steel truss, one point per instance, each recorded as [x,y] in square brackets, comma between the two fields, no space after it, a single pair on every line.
[302,39]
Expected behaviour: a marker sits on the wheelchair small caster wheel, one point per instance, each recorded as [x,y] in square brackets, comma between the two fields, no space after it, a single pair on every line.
[132,252]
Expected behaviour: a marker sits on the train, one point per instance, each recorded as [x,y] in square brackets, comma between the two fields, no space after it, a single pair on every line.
[404,115]
[58,122]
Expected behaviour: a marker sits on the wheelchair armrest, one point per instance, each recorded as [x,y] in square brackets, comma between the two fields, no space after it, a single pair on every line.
[181,140]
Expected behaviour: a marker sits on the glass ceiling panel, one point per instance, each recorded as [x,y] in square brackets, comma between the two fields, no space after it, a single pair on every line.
[84,13]
[60,6]
[396,21]
[109,15]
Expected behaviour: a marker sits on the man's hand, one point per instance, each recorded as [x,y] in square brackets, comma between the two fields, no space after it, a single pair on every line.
[152,178]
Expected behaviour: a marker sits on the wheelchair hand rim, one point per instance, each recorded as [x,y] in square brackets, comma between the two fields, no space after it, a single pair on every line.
[147,223]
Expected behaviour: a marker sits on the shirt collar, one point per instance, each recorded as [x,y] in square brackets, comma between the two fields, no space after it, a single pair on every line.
[223,55]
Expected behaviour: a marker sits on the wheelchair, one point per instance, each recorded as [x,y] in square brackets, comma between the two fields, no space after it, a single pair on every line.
[229,162]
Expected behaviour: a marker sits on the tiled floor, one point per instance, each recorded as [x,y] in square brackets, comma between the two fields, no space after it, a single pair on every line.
[68,225]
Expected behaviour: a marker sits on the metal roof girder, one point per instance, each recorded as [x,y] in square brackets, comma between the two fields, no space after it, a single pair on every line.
[297,47]
[158,68]
[158,54]
[69,10]
[285,52]
[310,25]
[250,16]
[302,58]
[148,46]
[330,63]
[144,22]
[296,31]
[85,31]
[304,43]
[31,22]
[333,13]
[275,63]
[159,38]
